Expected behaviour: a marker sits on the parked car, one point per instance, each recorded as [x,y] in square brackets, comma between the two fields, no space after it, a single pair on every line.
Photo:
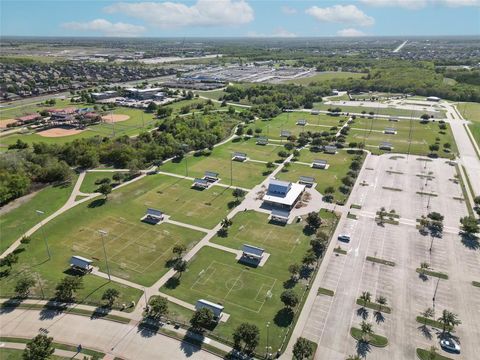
[450,345]
[344,237]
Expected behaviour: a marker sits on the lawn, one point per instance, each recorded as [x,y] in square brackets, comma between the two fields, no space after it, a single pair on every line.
[471,111]
[176,198]
[248,294]
[287,121]
[253,151]
[88,184]
[422,136]
[213,94]
[425,355]
[245,174]
[15,354]
[325,76]
[18,220]
[339,166]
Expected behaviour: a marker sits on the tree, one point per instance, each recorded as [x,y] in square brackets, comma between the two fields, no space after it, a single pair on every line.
[318,246]
[313,220]
[354,357]
[302,349]
[180,266]
[432,353]
[366,296]
[449,320]
[367,330]
[152,107]
[158,307]
[329,190]
[118,176]
[381,300]
[39,348]
[202,318]
[66,289]
[179,249]
[294,270]
[238,193]
[469,225]
[289,298]
[9,260]
[110,295]
[427,314]
[222,232]
[105,189]
[309,258]
[164,112]
[246,337]
[23,285]
[226,222]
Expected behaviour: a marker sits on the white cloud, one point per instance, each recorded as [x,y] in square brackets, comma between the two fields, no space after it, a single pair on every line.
[349,14]
[420,4]
[287,10]
[407,4]
[175,14]
[278,32]
[106,27]
[350,32]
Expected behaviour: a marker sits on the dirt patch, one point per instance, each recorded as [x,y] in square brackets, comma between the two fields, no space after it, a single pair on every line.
[112,118]
[5,122]
[59,132]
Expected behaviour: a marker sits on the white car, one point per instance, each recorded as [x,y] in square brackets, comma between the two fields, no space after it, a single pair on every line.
[450,345]
[344,237]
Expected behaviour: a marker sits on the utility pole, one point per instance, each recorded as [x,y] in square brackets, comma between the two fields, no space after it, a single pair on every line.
[434,295]
[103,233]
[268,348]
[231,172]
[40,213]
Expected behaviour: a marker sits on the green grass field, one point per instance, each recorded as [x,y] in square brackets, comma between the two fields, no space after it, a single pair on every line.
[18,220]
[287,121]
[412,136]
[15,354]
[324,76]
[214,94]
[339,166]
[389,111]
[253,151]
[248,294]
[471,111]
[245,174]
[88,185]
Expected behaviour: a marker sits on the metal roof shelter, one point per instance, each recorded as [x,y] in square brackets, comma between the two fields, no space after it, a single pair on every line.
[393,118]
[200,183]
[285,133]
[81,263]
[315,112]
[307,180]
[280,215]
[252,251]
[278,187]
[319,164]
[215,308]
[239,156]
[390,130]
[302,122]
[262,140]
[330,149]
[211,175]
[153,216]
[385,146]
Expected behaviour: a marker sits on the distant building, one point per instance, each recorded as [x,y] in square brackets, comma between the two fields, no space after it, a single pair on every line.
[200,183]
[283,194]
[306,180]
[302,122]
[103,95]
[252,255]
[239,156]
[81,263]
[262,140]
[153,216]
[329,149]
[28,118]
[433,98]
[142,94]
[211,176]
[390,131]
[279,216]
[285,133]
[385,146]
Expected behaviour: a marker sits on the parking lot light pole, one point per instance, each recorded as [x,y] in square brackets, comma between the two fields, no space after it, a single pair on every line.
[268,348]
[434,296]
[103,233]
[40,213]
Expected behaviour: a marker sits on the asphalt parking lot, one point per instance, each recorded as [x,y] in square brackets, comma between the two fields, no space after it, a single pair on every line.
[407,294]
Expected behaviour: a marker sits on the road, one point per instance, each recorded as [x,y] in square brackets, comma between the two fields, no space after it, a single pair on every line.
[400,47]
[122,340]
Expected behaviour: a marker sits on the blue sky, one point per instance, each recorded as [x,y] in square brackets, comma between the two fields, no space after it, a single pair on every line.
[254,18]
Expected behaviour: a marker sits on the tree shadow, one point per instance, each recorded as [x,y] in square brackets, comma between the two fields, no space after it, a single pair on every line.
[363,348]
[425,331]
[470,241]
[172,283]
[100,312]
[19,250]
[148,327]
[423,277]
[308,230]
[97,203]
[379,318]
[284,317]
[170,263]
[362,312]
[10,305]
[305,272]
[233,203]
[51,310]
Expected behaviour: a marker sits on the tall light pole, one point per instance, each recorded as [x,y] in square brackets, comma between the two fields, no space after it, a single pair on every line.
[268,348]
[231,171]
[434,295]
[103,233]
[185,156]
[40,213]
